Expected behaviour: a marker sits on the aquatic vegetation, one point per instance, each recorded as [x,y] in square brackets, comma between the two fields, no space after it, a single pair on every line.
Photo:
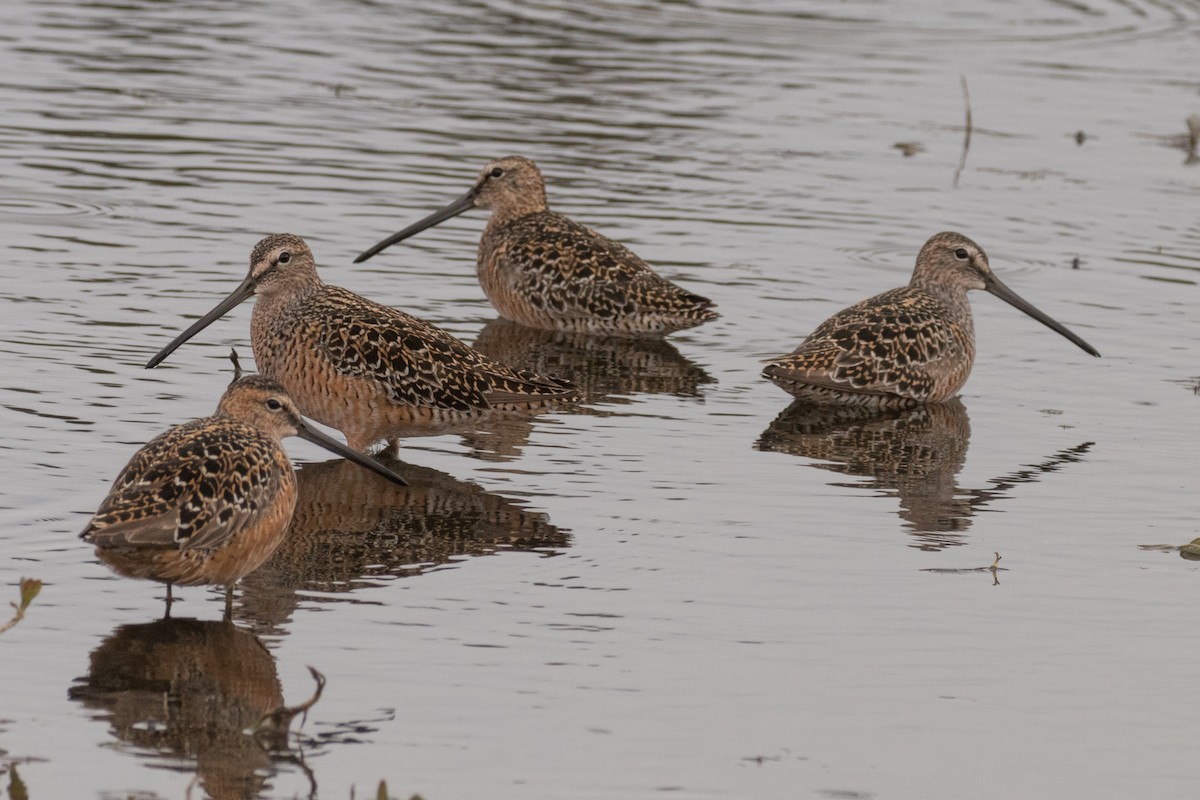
[29,590]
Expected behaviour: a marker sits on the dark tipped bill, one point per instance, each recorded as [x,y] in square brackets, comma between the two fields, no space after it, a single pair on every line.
[464,203]
[240,295]
[996,287]
[305,431]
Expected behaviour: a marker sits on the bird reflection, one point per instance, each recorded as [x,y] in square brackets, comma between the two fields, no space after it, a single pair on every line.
[187,689]
[348,531]
[598,366]
[914,455]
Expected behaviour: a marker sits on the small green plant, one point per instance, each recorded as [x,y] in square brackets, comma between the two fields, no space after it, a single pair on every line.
[29,590]
[381,793]
[16,786]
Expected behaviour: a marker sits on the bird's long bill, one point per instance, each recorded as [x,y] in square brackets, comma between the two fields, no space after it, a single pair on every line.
[996,287]
[464,203]
[240,295]
[311,434]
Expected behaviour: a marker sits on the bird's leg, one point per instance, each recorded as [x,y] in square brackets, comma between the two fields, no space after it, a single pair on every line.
[229,602]
[170,599]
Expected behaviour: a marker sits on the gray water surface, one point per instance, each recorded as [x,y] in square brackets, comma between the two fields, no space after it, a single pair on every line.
[682,587]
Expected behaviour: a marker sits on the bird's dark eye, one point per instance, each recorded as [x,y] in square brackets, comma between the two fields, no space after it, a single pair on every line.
[284,257]
[274,404]
[497,172]
[961,254]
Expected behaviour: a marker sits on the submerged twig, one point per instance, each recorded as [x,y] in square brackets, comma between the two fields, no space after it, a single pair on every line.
[237,364]
[29,590]
[962,162]
[275,724]
[995,569]
[1193,123]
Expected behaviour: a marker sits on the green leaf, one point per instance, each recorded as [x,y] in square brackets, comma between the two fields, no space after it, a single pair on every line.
[29,590]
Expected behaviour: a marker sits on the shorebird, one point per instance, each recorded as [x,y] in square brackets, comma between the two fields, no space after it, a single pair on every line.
[907,346]
[209,501]
[368,370]
[545,270]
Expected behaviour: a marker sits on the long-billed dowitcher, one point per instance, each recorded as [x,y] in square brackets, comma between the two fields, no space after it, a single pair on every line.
[545,270]
[208,501]
[368,370]
[906,346]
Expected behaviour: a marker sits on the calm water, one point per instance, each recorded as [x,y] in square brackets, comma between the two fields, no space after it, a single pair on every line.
[682,587]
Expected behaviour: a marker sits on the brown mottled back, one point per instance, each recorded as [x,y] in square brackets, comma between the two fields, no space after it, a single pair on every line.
[906,346]
[547,271]
[896,349]
[374,372]
[206,501]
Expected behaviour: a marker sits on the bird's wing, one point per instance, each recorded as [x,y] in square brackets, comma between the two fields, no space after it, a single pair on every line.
[190,487]
[889,344]
[416,362]
[572,271]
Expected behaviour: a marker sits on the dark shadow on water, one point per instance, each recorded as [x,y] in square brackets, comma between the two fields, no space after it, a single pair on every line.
[496,437]
[189,696]
[185,691]
[913,455]
[601,367]
[501,438]
[353,529]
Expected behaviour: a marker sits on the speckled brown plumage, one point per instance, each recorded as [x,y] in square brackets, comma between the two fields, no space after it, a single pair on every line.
[542,269]
[547,271]
[914,454]
[207,501]
[368,370]
[906,346]
[894,350]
